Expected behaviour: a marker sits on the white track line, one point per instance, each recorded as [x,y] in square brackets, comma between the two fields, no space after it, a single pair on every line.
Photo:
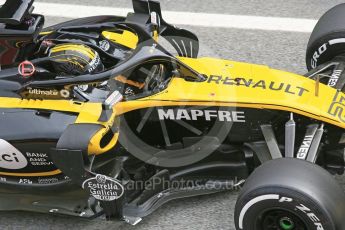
[185,18]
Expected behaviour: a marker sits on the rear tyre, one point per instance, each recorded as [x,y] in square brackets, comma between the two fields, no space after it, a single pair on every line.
[328,38]
[290,194]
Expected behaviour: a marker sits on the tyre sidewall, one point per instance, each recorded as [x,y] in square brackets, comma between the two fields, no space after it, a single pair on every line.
[313,214]
[324,49]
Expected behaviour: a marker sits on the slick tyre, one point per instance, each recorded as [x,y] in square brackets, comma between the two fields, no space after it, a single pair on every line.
[290,194]
[328,38]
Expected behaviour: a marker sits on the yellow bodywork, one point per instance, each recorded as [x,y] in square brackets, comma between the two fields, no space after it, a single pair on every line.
[315,102]
[298,94]
[87,113]
[125,38]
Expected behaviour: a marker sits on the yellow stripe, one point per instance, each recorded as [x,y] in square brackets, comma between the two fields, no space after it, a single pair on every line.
[80,48]
[51,173]
[63,55]
[59,49]
[155,35]
[46,33]
[72,61]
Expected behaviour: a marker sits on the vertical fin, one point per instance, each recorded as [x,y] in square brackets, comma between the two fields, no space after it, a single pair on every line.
[290,136]
[307,140]
[271,141]
[314,147]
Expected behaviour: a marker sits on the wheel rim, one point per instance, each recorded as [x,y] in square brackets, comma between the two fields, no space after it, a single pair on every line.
[279,219]
[286,223]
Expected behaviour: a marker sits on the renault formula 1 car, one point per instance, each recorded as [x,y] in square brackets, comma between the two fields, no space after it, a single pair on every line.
[99,118]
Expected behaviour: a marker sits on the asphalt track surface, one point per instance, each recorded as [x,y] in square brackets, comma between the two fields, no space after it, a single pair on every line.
[281,50]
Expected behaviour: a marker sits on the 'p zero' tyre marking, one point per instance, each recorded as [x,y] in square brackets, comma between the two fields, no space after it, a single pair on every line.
[252,202]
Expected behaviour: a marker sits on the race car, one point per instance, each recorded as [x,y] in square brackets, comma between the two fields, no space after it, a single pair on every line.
[112,117]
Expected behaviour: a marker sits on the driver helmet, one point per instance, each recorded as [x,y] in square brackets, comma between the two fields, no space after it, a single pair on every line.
[75,59]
